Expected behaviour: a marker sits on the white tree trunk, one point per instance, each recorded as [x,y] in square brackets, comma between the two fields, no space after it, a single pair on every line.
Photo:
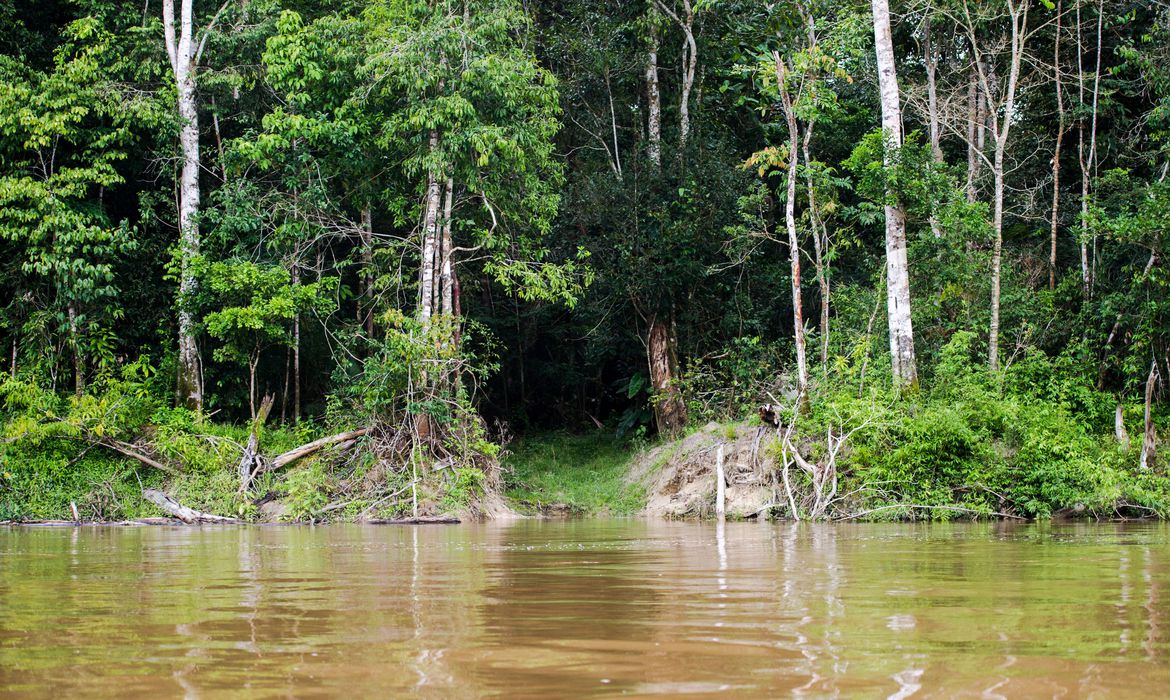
[1001,127]
[445,275]
[820,248]
[430,234]
[790,225]
[902,356]
[690,59]
[1149,434]
[653,101]
[996,262]
[1088,163]
[182,58]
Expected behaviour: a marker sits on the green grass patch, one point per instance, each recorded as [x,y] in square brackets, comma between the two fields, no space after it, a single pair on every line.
[583,473]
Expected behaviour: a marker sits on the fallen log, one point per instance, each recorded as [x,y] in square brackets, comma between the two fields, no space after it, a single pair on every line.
[423,520]
[182,512]
[307,449]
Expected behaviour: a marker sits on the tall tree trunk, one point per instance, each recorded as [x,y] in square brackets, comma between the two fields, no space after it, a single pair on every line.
[182,59]
[670,411]
[1056,150]
[296,352]
[973,117]
[446,278]
[905,366]
[653,100]
[820,248]
[689,59]
[1001,127]
[782,72]
[996,261]
[1149,434]
[931,61]
[78,356]
[662,359]
[1089,164]
[365,309]
[426,304]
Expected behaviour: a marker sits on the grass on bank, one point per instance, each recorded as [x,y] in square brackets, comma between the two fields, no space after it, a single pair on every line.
[583,473]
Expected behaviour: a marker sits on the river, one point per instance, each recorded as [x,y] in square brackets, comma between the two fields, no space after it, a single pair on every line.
[586,608]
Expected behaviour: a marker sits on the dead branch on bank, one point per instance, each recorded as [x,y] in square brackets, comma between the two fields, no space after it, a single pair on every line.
[307,449]
[823,473]
[250,461]
[182,512]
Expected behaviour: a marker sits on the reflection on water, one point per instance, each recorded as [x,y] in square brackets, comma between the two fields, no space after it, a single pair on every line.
[586,608]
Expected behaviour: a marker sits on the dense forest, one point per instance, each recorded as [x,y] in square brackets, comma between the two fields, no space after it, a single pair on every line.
[313,259]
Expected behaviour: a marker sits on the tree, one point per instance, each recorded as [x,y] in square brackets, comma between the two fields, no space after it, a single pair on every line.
[62,134]
[255,307]
[905,366]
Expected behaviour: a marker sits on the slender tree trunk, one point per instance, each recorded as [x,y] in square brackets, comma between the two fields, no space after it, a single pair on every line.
[996,261]
[366,303]
[662,359]
[429,242]
[78,356]
[905,367]
[1087,161]
[973,118]
[820,246]
[790,225]
[1149,434]
[182,59]
[1001,126]
[617,153]
[446,277]
[653,101]
[1056,150]
[931,61]
[284,394]
[690,59]
[296,352]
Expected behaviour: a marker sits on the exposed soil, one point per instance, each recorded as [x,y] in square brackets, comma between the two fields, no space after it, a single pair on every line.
[679,477]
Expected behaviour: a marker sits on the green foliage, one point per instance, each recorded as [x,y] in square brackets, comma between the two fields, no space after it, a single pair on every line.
[307,491]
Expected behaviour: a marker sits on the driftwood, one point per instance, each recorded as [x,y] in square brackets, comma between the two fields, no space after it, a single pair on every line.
[249,462]
[180,511]
[423,520]
[307,449]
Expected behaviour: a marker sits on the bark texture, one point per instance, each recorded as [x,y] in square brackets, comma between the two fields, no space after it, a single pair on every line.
[905,366]
[181,51]
[670,411]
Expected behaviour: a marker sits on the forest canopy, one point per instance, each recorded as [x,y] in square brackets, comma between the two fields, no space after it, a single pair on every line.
[929,237]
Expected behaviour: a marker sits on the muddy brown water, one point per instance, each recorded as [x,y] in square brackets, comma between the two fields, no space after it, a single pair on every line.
[587,608]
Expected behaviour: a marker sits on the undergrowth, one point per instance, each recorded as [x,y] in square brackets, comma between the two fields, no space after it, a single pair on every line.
[583,473]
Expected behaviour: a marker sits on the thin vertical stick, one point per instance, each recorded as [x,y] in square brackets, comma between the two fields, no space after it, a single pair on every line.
[720,486]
